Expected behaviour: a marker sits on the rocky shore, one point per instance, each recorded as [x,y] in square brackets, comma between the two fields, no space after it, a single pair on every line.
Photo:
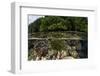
[56,49]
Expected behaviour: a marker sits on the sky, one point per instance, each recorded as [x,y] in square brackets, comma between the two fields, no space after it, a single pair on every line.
[32,18]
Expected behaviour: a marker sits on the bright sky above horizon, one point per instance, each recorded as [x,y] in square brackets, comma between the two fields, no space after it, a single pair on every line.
[32,18]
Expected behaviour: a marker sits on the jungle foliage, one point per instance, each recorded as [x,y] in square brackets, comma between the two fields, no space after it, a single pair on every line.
[58,23]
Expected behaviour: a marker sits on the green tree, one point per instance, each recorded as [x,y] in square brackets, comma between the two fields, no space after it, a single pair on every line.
[59,23]
[57,45]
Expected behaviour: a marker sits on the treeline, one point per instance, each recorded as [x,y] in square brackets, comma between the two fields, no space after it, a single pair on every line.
[58,23]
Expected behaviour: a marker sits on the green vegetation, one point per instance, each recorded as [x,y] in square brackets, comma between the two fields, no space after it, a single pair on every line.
[58,37]
[58,23]
[57,45]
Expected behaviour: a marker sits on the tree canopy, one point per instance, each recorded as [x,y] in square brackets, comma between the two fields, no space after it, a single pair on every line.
[58,23]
